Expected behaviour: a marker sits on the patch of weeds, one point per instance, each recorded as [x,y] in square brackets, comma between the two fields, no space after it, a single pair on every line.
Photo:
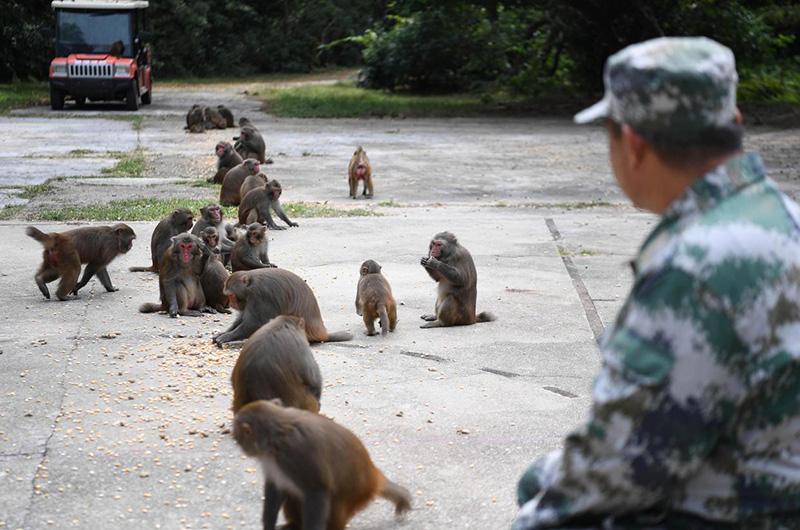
[306,153]
[16,95]
[581,252]
[202,183]
[80,153]
[29,192]
[127,210]
[137,120]
[315,209]
[11,211]
[582,205]
[134,164]
[390,204]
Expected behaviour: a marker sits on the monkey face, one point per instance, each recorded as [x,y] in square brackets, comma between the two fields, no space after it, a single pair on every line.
[435,248]
[215,212]
[185,251]
[222,149]
[256,233]
[211,241]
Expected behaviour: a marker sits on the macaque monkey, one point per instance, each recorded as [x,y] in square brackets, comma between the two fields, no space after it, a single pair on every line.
[276,362]
[64,253]
[212,215]
[374,299]
[178,222]
[213,119]
[257,203]
[320,469]
[232,183]
[253,182]
[227,114]
[195,121]
[179,279]
[262,294]
[117,49]
[451,266]
[250,251]
[214,274]
[250,143]
[360,169]
[227,158]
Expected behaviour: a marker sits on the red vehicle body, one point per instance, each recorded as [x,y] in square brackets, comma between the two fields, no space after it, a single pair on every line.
[101,53]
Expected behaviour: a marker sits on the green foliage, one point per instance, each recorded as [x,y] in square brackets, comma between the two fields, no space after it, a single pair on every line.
[344,100]
[134,164]
[24,53]
[773,84]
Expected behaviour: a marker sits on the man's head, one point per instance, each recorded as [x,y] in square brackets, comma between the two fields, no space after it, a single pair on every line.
[670,108]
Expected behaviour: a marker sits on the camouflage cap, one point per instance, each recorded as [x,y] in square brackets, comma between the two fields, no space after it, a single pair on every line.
[672,86]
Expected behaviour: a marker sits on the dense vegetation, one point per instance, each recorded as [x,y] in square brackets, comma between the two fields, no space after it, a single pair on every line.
[528,47]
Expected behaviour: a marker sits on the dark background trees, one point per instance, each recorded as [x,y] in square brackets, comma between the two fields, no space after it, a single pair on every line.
[517,46]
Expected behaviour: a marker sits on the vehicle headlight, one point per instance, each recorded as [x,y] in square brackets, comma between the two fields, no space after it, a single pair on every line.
[60,69]
[122,70]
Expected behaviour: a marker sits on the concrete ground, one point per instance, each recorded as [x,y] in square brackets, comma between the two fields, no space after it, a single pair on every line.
[114,419]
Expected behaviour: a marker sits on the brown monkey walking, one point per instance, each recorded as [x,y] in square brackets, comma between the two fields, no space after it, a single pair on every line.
[276,362]
[262,294]
[360,169]
[195,122]
[179,279]
[214,274]
[232,183]
[227,158]
[65,252]
[320,468]
[252,182]
[256,204]
[250,251]
[179,221]
[451,265]
[374,299]
[211,215]
[227,114]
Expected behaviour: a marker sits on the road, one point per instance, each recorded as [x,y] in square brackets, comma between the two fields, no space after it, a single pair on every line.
[114,419]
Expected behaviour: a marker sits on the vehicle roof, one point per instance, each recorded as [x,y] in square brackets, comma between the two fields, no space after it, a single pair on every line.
[99,4]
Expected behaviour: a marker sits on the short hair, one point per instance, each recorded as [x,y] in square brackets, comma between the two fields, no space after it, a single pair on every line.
[692,149]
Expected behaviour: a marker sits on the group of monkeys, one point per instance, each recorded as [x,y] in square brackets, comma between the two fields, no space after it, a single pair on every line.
[316,470]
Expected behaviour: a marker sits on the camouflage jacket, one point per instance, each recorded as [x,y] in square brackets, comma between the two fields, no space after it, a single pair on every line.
[696,409]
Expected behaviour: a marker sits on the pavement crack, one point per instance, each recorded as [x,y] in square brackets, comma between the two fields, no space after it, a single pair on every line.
[81,327]
[586,301]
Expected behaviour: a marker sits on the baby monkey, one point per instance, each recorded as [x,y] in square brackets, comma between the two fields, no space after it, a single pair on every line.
[321,469]
[374,299]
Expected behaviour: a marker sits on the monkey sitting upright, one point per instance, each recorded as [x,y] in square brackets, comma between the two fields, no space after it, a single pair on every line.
[214,274]
[360,169]
[451,265]
[321,469]
[65,252]
[374,299]
[250,251]
[276,362]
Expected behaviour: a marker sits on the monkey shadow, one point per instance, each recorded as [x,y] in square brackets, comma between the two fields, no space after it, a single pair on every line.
[94,106]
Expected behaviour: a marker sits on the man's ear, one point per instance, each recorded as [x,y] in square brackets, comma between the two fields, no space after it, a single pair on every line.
[738,115]
[635,145]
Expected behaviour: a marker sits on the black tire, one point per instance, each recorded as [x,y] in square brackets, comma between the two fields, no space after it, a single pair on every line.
[56,99]
[147,97]
[80,102]
[132,98]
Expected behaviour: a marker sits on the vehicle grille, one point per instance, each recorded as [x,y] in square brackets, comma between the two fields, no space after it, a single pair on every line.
[91,69]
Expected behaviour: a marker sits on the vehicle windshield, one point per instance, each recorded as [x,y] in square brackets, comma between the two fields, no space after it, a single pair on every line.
[94,32]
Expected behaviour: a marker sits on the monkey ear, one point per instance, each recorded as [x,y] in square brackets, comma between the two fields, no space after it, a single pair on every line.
[364,271]
[245,279]
[246,429]
[276,401]
[301,324]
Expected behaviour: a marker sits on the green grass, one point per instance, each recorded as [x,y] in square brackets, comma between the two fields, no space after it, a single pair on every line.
[580,205]
[11,211]
[29,192]
[155,209]
[133,164]
[345,100]
[16,95]
[390,204]
[177,82]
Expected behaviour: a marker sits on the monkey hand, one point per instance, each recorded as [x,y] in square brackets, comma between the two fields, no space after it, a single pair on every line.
[292,223]
[278,227]
[429,262]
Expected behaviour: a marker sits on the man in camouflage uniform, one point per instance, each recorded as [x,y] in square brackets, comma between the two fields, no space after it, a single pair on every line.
[695,421]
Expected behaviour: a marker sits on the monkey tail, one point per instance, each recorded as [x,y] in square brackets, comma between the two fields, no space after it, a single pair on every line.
[149,307]
[486,317]
[384,316]
[38,235]
[339,336]
[397,495]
